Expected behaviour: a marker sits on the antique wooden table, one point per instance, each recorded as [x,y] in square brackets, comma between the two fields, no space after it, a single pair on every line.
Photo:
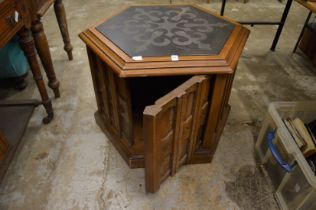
[15,19]
[35,11]
[162,78]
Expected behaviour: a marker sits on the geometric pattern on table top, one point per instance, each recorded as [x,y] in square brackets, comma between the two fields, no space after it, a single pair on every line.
[167,30]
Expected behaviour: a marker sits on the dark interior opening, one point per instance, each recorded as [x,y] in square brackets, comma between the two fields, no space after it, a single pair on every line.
[145,91]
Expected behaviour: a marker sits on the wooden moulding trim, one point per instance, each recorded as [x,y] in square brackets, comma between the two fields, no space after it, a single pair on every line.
[119,57]
[176,71]
[111,47]
[183,58]
[234,57]
[242,43]
[106,49]
[230,42]
[93,47]
[126,63]
[183,62]
[150,72]
[168,71]
[233,43]
[233,49]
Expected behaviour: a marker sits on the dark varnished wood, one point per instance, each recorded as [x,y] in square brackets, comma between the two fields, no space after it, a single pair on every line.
[37,9]
[170,131]
[8,26]
[27,12]
[210,114]
[155,112]
[22,27]
[62,22]
[42,47]
[28,47]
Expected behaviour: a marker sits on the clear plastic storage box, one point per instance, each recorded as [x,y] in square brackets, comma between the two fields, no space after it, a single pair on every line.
[291,175]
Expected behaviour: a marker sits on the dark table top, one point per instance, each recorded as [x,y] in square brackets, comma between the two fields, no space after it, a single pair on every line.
[154,31]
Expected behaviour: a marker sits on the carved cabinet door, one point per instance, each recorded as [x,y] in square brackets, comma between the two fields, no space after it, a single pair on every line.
[171,129]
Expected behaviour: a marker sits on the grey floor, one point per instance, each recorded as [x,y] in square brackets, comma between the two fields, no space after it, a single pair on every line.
[69,164]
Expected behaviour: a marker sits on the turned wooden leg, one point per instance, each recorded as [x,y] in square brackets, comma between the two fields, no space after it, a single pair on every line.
[28,46]
[44,54]
[62,22]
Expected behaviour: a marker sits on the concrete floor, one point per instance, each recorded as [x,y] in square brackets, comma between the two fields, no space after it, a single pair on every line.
[69,164]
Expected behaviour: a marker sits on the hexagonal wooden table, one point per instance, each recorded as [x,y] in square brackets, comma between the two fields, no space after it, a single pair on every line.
[162,77]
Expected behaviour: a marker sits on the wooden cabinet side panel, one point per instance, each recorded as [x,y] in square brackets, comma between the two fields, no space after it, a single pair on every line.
[201,115]
[104,91]
[228,90]
[215,114]
[113,98]
[94,79]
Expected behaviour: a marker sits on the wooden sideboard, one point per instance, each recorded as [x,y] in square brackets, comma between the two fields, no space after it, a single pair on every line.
[15,19]
[162,78]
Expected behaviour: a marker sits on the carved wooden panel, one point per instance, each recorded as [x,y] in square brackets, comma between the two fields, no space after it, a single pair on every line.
[170,130]
[189,103]
[124,110]
[113,99]
[105,92]
[202,115]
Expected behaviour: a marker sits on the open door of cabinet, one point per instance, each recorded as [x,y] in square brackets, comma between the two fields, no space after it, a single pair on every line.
[171,128]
